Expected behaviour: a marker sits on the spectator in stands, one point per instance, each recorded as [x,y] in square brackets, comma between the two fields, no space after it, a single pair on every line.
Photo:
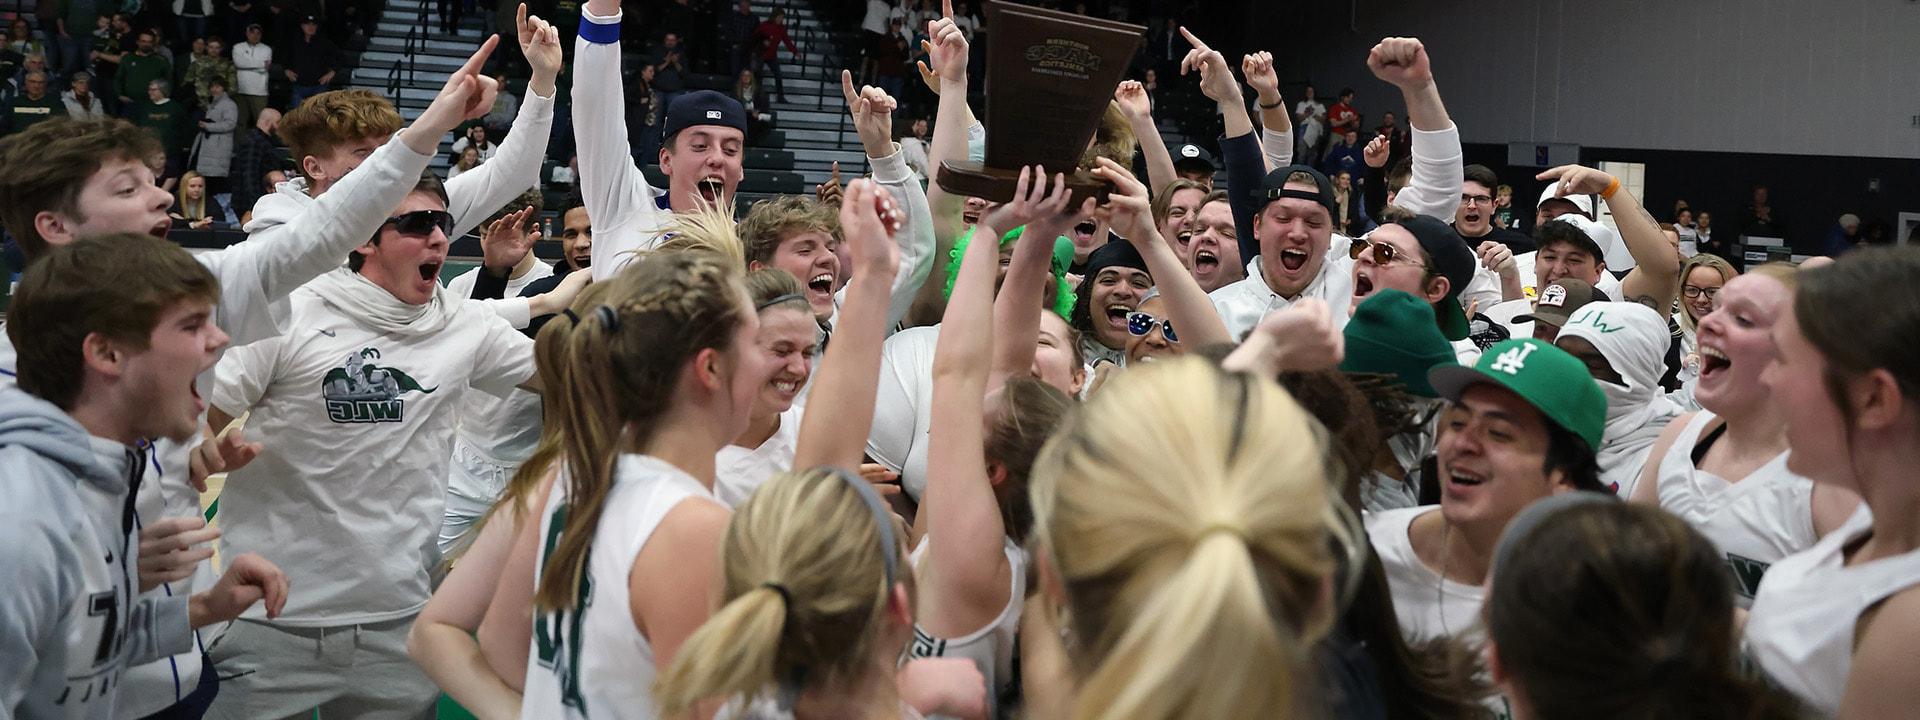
[1352,217]
[214,157]
[506,106]
[194,207]
[1689,236]
[196,51]
[643,116]
[873,33]
[1399,143]
[190,16]
[257,151]
[1342,118]
[450,14]
[1310,116]
[1503,208]
[313,62]
[32,106]
[1760,219]
[250,62]
[167,121]
[740,26]
[1168,48]
[28,65]
[81,103]
[890,69]
[1843,236]
[49,16]
[23,40]
[669,63]
[469,158]
[213,66]
[1344,156]
[1475,221]
[769,37]
[913,146]
[139,69]
[1703,226]
[753,96]
[477,139]
[107,45]
[238,15]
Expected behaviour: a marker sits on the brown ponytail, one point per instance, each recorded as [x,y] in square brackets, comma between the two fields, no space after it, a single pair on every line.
[618,362]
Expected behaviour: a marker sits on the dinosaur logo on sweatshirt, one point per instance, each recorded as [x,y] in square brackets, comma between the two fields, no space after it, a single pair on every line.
[361,392]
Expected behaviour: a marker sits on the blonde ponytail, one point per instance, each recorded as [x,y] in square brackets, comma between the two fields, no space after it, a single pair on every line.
[1187,512]
[806,595]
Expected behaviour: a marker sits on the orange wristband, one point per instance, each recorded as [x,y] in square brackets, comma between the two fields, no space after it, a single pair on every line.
[1612,187]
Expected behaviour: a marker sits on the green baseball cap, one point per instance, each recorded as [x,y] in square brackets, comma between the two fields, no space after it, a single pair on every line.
[1393,333]
[1548,378]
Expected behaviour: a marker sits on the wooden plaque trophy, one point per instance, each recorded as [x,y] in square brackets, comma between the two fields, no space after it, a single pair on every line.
[1049,78]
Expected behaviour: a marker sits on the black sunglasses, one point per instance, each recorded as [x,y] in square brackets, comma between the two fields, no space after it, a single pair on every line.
[422,222]
[1139,324]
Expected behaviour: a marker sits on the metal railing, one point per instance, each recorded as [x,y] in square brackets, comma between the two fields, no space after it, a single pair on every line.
[415,42]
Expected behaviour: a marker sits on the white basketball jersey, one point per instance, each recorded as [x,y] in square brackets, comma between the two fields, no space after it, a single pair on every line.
[591,661]
[991,647]
[1802,626]
[1755,522]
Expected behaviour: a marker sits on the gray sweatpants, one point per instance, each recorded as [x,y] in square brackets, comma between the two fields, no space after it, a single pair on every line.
[350,671]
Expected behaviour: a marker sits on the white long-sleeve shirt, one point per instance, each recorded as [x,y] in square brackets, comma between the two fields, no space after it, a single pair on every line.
[250,61]
[627,213]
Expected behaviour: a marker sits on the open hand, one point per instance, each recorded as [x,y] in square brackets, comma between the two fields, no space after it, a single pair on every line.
[1216,78]
[1401,61]
[1033,198]
[507,241]
[172,548]
[1128,210]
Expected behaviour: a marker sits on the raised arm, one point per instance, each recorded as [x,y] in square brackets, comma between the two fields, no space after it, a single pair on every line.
[476,195]
[872,111]
[1187,304]
[610,184]
[1656,269]
[1017,309]
[1276,125]
[1434,190]
[1137,106]
[834,430]
[947,48]
[1217,83]
[959,514]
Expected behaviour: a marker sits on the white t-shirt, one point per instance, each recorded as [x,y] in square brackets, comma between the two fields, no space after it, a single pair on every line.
[357,426]
[1429,606]
[903,406]
[738,471]
[503,430]
[591,660]
[1757,521]
[875,21]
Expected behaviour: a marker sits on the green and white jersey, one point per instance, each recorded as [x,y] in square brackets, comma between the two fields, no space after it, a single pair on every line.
[590,661]
[1756,522]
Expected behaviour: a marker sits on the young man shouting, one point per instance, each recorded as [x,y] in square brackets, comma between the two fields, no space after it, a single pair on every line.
[113,329]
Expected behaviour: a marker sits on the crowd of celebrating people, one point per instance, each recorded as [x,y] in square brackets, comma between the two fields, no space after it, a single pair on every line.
[1188,452]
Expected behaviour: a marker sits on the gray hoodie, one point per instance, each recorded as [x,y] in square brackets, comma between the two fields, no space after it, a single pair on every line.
[70,620]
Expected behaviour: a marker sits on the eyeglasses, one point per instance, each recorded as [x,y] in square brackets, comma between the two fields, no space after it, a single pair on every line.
[1139,324]
[1476,199]
[1383,254]
[1693,292]
[422,222]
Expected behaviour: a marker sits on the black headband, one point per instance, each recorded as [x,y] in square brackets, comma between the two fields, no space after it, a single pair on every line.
[789,297]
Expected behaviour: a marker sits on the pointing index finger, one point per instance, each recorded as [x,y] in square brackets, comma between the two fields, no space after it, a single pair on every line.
[479,59]
[846,87]
[1194,41]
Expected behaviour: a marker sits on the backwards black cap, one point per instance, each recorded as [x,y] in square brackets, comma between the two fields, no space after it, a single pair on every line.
[1274,187]
[704,107]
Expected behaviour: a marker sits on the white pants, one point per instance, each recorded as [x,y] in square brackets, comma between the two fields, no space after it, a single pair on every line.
[349,671]
[475,482]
